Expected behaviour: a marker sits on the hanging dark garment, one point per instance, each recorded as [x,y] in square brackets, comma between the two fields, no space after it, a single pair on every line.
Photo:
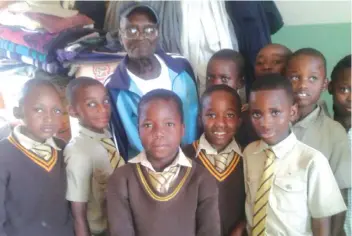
[254,22]
[94,10]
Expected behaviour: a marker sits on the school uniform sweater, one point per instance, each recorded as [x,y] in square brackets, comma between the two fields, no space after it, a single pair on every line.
[32,200]
[231,190]
[190,208]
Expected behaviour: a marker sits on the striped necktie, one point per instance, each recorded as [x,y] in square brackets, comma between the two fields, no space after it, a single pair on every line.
[262,195]
[161,181]
[221,161]
[44,151]
[114,156]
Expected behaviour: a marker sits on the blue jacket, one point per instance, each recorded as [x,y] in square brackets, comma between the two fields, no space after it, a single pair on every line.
[125,96]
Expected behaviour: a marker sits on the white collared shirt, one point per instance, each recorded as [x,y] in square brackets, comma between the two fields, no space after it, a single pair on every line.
[206,146]
[303,181]
[181,160]
[29,143]
[320,132]
[86,161]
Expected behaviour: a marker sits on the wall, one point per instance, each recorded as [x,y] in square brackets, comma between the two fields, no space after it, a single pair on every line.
[324,25]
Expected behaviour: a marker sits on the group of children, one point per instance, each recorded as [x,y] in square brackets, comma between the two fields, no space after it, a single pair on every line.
[277,165]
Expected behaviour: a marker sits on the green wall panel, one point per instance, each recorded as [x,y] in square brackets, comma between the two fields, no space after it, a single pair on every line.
[333,40]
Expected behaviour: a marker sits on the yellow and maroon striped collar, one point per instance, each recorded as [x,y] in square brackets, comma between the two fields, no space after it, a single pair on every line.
[47,165]
[206,146]
[29,143]
[220,176]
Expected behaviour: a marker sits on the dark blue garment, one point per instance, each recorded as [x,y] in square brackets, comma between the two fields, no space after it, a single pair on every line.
[94,10]
[254,22]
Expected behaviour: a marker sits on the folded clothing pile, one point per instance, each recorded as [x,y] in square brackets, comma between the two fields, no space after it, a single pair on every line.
[45,35]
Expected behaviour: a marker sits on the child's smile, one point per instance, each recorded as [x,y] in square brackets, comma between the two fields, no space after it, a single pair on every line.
[220,117]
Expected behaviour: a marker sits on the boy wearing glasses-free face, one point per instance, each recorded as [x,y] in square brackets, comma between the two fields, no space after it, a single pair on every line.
[145,68]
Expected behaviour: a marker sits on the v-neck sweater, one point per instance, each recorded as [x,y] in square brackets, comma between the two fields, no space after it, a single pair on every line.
[32,200]
[190,208]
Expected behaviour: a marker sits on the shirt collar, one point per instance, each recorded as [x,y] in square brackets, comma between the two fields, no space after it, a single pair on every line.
[313,116]
[280,149]
[92,134]
[180,159]
[206,146]
[29,143]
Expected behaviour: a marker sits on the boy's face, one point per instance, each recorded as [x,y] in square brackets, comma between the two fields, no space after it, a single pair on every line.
[271,112]
[221,119]
[223,72]
[341,92]
[271,59]
[308,78]
[92,107]
[160,129]
[41,113]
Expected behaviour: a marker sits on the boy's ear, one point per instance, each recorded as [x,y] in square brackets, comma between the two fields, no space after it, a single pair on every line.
[294,113]
[18,113]
[326,83]
[240,83]
[72,111]
[239,123]
[330,87]
[200,123]
[183,130]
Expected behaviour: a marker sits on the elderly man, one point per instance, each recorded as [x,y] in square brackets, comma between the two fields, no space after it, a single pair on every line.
[146,68]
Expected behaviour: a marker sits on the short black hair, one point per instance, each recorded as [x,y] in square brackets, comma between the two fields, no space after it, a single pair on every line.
[231,55]
[309,52]
[30,85]
[162,94]
[75,84]
[273,82]
[344,63]
[222,88]
[288,51]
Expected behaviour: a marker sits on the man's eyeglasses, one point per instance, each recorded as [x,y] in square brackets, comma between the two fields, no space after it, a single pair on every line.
[149,32]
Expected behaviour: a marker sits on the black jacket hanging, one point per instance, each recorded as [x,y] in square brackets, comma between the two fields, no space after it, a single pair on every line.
[254,22]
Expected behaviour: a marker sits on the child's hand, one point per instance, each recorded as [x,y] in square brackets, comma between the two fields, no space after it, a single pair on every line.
[236,233]
[240,229]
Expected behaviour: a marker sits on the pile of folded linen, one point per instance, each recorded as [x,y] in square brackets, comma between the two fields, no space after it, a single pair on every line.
[45,35]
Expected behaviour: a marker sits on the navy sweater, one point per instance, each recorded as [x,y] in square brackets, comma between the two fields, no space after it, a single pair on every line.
[32,200]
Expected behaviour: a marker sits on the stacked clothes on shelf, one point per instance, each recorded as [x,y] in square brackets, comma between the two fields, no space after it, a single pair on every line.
[51,38]
[42,39]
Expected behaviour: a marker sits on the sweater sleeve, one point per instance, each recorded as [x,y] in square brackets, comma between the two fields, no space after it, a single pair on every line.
[119,211]
[208,218]
[3,186]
